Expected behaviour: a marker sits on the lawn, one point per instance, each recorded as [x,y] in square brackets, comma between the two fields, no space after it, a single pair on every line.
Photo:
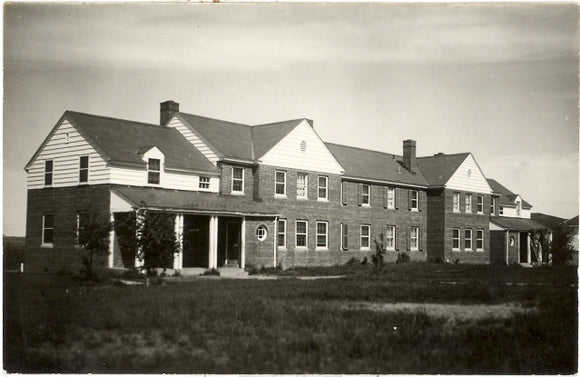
[411,318]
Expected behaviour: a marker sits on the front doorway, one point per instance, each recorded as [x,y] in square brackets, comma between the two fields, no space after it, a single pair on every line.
[229,242]
[524,248]
[195,241]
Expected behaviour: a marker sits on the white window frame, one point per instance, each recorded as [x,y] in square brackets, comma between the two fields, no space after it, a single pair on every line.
[280,184]
[48,173]
[477,239]
[149,171]
[414,200]
[501,210]
[203,181]
[390,198]
[414,238]
[366,197]
[456,202]
[480,204]
[458,238]
[390,238]
[234,179]
[304,186]
[81,169]
[281,231]
[468,239]
[325,235]
[365,237]
[493,204]
[325,188]
[468,203]
[262,232]
[301,234]
[342,236]
[44,228]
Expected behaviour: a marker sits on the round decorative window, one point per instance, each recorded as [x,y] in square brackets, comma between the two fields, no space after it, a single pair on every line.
[261,232]
[303,146]
[512,241]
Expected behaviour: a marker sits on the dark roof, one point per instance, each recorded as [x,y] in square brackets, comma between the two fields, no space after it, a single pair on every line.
[165,199]
[439,168]
[516,223]
[506,196]
[123,141]
[552,222]
[266,136]
[364,163]
[571,222]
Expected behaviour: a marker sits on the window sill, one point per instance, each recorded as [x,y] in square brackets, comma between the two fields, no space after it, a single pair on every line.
[302,248]
[301,198]
[47,245]
[280,196]
[281,248]
[322,200]
[321,248]
[414,210]
[365,248]
[365,205]
[456,250]
[237,193]
[480,250]
[390,249]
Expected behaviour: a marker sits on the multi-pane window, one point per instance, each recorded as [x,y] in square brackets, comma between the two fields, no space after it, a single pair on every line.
[322,187]
[282,233]
[414,238]
[281,183]
[344,236]
[153,171]
[365,236]
[468,245]
[456,199]
[479,240]
[237,179]
[414,197]
[468,203]
[84,169]
[82,224]
[479,203]
[501,210]
[390,197]
[261,232]
[493,206]
[301,233]
[203,182]
[390,237]
[48,168]
[302,185]
[322,234]
[366,194]
[47,229]
[456,238]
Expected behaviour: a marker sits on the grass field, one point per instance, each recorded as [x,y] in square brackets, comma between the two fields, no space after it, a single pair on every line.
[413,318]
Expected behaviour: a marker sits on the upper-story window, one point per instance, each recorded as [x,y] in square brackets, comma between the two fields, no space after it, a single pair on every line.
[456,199]
[154,171]
[390,237]
[479,203]
[414,238]
[414,200]
[468,203]
[280,183]
[203,182]
[493,206]
[518,208]
[302,186]
[47,229]
[365,194]
[322,188]
[390,198]
[237,179]
[48,168]
[84,169]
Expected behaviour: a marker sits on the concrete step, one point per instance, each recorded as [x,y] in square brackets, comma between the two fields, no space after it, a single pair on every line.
[232,272]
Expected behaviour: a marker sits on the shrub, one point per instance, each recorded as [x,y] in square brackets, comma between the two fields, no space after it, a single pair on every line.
[211,272]
[351,261]
[95,240]
[364,261]
[158,243]
[403,258]
[378,257]
[126,231]
[562,248]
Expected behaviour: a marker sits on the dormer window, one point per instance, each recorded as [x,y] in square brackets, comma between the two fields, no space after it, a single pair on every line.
[203,182]
[238,180]
[154,171]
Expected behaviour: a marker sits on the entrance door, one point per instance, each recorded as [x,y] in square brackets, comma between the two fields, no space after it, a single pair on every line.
[233,244]
[524,248]
[195,241]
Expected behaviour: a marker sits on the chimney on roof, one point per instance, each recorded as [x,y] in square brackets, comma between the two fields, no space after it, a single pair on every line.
[410,154]
[167,109]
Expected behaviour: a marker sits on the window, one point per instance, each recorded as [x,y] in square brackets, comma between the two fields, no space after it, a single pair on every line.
[365,194]
[154,171]
[203,182]
[365,236]
[301,233]
[282,233]
[280,183]
[468,245]
[518,208]
[501,210]
[84,169]
[237,180]
[479,203]
[344,236]
[82,224]
[322,234]
[344,193]
[390,237]
[414,200]
[468,203]
[414,238]
[479,240]
[323,188]
[493,206]
[48,167]
[456,199]
[302,186]
[390,198]
[456,238]
[47,229]
[261,232]
[67,137]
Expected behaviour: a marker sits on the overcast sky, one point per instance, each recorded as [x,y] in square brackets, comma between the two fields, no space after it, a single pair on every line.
[497,80]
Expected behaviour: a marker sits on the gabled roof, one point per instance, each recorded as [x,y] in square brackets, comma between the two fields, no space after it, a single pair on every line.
[552,222]
[369,164]
[506,197]
[571,222]
[124,141]
[266,136]
[438,169]
[515,223]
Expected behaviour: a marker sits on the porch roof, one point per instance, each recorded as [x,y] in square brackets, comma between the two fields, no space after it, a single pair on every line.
[516,223]
[191,201]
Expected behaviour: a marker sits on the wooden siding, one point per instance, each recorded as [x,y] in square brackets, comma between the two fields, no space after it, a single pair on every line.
[475,182]
[511,212]
[119,204]
[288,152]
[138,177]
[193,139]
[66,160]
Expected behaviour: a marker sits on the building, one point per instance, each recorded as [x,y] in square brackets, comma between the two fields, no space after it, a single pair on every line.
[261,195]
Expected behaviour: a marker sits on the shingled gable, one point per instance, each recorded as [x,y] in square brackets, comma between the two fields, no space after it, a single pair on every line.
[506,196]
[373,165]
[438,169]
[122,142]
[266,136]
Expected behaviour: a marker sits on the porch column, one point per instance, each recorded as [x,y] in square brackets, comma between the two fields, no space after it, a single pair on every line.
[111,243]
[275,240]
[243,244]
[529,249]
[178,258]
[213,241]
[507,247]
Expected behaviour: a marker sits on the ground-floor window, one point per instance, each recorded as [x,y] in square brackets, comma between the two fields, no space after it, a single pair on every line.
[47,229]
[365,236]
[344,236]
[414,238]
[301,233]
[282,233]
[456,238]
[321,234]
[261,232]
[390,235]
[479,239]
[468,245]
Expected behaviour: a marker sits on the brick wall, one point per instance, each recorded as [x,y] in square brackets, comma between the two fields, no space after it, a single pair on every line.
[259,253]
[64,203]
[226,179]
[436,225]
[497,244]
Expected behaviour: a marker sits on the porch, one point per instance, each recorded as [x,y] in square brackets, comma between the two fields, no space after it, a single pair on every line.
[516,241]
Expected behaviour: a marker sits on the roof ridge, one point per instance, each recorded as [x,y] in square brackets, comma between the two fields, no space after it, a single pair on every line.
[112,118]
[445,154]
[219,120]
[363,149]
[280,122]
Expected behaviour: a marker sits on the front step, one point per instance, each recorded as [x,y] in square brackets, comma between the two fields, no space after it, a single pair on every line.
[232,272]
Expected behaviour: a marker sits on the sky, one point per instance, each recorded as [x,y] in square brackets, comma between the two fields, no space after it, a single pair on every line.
[497,80]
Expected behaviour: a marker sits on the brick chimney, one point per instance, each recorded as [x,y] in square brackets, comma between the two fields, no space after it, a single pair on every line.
[410,154]
[167,109]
